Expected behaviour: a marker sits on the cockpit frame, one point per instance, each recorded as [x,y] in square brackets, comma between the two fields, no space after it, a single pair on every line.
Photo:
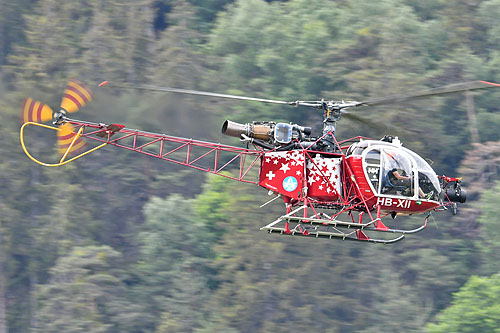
[413,171]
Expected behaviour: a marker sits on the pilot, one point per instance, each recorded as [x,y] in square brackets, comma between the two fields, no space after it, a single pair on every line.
[398,177]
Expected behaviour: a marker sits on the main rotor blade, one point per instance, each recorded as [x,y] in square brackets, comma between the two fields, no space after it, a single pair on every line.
[384,128]
[448,89]
[200,93]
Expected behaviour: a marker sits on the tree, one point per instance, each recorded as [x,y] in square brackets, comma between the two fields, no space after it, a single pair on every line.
[488,228]
[86,293]
[118,45]
[90,40]
[54,32]
[474,308]
[172,270]
[12,25]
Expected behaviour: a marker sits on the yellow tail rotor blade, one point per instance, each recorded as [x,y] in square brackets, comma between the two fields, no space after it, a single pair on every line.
[75,96]
[65,137]
[35,111]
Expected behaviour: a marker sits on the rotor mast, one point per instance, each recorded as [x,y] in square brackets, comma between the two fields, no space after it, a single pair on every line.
[332,112]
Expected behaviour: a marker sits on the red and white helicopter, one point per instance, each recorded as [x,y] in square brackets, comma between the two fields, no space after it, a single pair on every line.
[331,189]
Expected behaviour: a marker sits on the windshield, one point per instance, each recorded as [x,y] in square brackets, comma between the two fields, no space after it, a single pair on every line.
[427,178]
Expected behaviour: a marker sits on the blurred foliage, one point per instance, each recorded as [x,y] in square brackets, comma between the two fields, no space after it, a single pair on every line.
[122,243]
[474,308]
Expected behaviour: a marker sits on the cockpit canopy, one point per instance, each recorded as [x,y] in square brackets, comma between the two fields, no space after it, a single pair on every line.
[396,171]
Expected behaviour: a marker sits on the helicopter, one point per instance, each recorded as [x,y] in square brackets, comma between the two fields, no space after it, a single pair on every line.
[335,189]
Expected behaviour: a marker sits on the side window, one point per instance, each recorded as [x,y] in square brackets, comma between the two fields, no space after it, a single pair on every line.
[372,165]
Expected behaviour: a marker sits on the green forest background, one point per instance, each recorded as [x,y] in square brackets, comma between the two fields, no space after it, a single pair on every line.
[120,242]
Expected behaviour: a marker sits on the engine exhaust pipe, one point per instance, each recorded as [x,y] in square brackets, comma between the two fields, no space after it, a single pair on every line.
[234,129]
[260,131]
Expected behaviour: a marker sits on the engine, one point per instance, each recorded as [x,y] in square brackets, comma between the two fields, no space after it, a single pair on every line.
[280,136]
[270,132]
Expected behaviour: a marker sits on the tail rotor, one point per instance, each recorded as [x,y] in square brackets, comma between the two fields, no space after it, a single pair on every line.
[76,96]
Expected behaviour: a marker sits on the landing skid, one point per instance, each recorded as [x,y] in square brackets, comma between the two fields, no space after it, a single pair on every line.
[321,225]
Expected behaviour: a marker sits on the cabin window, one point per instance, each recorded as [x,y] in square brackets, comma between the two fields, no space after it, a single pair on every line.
[390,171]
[372,167]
